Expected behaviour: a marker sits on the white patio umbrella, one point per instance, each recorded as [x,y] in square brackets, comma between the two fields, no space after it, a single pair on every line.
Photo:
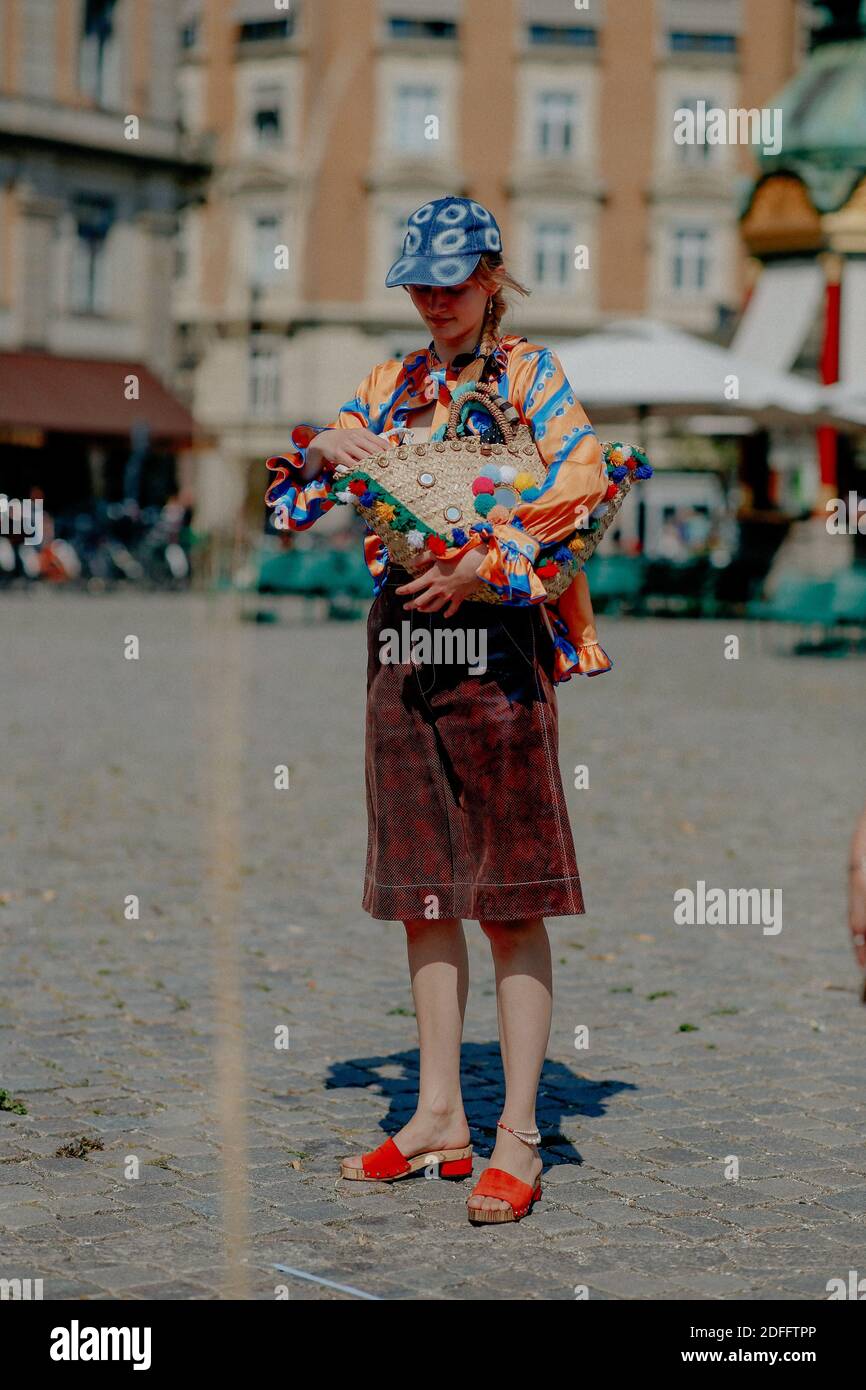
[639,367]
[849,399]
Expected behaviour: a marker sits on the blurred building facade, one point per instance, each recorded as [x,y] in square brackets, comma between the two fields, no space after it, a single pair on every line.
[334,119]
[93,170]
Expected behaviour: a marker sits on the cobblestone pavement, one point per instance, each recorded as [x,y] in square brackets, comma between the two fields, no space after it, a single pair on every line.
[155,777]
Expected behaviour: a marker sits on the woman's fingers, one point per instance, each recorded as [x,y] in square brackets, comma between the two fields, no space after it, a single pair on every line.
[429,603]
[358,452]
[415,586]
[364,442]
[369,444]
[427,597]
[349,447]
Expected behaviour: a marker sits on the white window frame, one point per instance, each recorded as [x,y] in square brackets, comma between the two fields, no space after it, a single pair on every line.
[540,229]
[99,62]
[559,128]
[257,104]
[697,259]
[89,272]
[262,270]
[428,102]
[264,378]
[701,156]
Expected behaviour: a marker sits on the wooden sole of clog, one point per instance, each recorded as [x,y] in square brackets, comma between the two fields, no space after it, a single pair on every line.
[443,1158]
[479,1217]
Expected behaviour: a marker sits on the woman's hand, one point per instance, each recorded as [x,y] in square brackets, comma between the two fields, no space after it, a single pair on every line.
[445,582]
[340,449]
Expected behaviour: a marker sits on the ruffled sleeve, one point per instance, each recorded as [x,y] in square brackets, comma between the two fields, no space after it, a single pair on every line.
[575,483]
[577,650]
[298,503]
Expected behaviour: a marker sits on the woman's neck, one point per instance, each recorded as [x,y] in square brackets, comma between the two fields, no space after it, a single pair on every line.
[447,351]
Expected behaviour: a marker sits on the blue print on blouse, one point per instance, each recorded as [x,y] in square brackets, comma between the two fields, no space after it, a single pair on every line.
[571,441]
[546,370]
[551,407]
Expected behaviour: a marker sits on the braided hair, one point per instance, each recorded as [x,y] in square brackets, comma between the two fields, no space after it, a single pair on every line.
[492,276]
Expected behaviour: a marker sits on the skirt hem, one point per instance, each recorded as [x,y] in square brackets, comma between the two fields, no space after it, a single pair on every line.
[412,903]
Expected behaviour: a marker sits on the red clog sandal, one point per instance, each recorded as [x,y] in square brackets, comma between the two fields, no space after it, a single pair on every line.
[387,1164]
[505,1187]
[495,1182]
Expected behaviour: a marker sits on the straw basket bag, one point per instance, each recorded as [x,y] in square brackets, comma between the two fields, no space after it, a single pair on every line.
[423,498]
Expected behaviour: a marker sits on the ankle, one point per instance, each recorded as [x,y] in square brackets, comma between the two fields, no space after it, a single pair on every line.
[522,1128]
[440,1109]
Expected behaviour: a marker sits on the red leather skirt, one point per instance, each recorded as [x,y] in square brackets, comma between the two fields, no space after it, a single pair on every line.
[465,804]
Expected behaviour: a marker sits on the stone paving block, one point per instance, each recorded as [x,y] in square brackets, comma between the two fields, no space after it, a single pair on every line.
[696,1227]
[850,1199]
[612,1213]
[17,1218]
[92,1227]
[622,1284]
[17,1195]
[765,1218]
[117,1277]
[781,1187]
[677,1203]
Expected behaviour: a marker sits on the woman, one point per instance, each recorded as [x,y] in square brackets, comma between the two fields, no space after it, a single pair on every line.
[466,810]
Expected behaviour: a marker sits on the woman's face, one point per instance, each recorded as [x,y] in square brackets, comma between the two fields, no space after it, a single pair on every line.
[452,313]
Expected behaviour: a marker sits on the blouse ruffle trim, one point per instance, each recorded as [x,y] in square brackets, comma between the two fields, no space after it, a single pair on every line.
[303,503]
[584,659]
[508,566]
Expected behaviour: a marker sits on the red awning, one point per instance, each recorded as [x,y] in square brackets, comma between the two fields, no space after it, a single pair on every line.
[80,395]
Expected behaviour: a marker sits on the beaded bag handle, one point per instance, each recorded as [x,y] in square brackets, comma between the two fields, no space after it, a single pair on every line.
[489,399]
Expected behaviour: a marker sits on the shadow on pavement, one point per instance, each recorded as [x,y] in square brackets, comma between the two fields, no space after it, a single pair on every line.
[562,1095]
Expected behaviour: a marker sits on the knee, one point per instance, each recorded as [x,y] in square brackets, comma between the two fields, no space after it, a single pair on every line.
[421,926]
[505,936]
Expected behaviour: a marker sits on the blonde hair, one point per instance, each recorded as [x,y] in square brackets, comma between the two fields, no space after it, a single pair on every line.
[491,275]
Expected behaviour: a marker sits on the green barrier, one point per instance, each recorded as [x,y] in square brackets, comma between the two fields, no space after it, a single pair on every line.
[798,599]
[615,578]
[849,597]
[315,573]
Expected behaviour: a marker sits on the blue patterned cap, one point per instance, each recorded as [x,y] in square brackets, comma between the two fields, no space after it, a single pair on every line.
[445,241]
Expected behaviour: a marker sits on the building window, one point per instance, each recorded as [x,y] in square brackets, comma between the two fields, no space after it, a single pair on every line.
[93,218]
[260,31]
[264,380]
[555,123]
[413,103]
[98,58]
[408,28]
[189,35]
[186,247]
[267,114]
[701,153]
[266,229]
[181,249]
[577,35]
[690,260]
[552,253]
[702,43]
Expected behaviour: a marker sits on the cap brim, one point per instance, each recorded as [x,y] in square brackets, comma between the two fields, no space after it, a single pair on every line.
[432,270]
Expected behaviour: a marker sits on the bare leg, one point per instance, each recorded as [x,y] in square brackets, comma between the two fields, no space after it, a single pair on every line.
[521,959]
[439,970]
